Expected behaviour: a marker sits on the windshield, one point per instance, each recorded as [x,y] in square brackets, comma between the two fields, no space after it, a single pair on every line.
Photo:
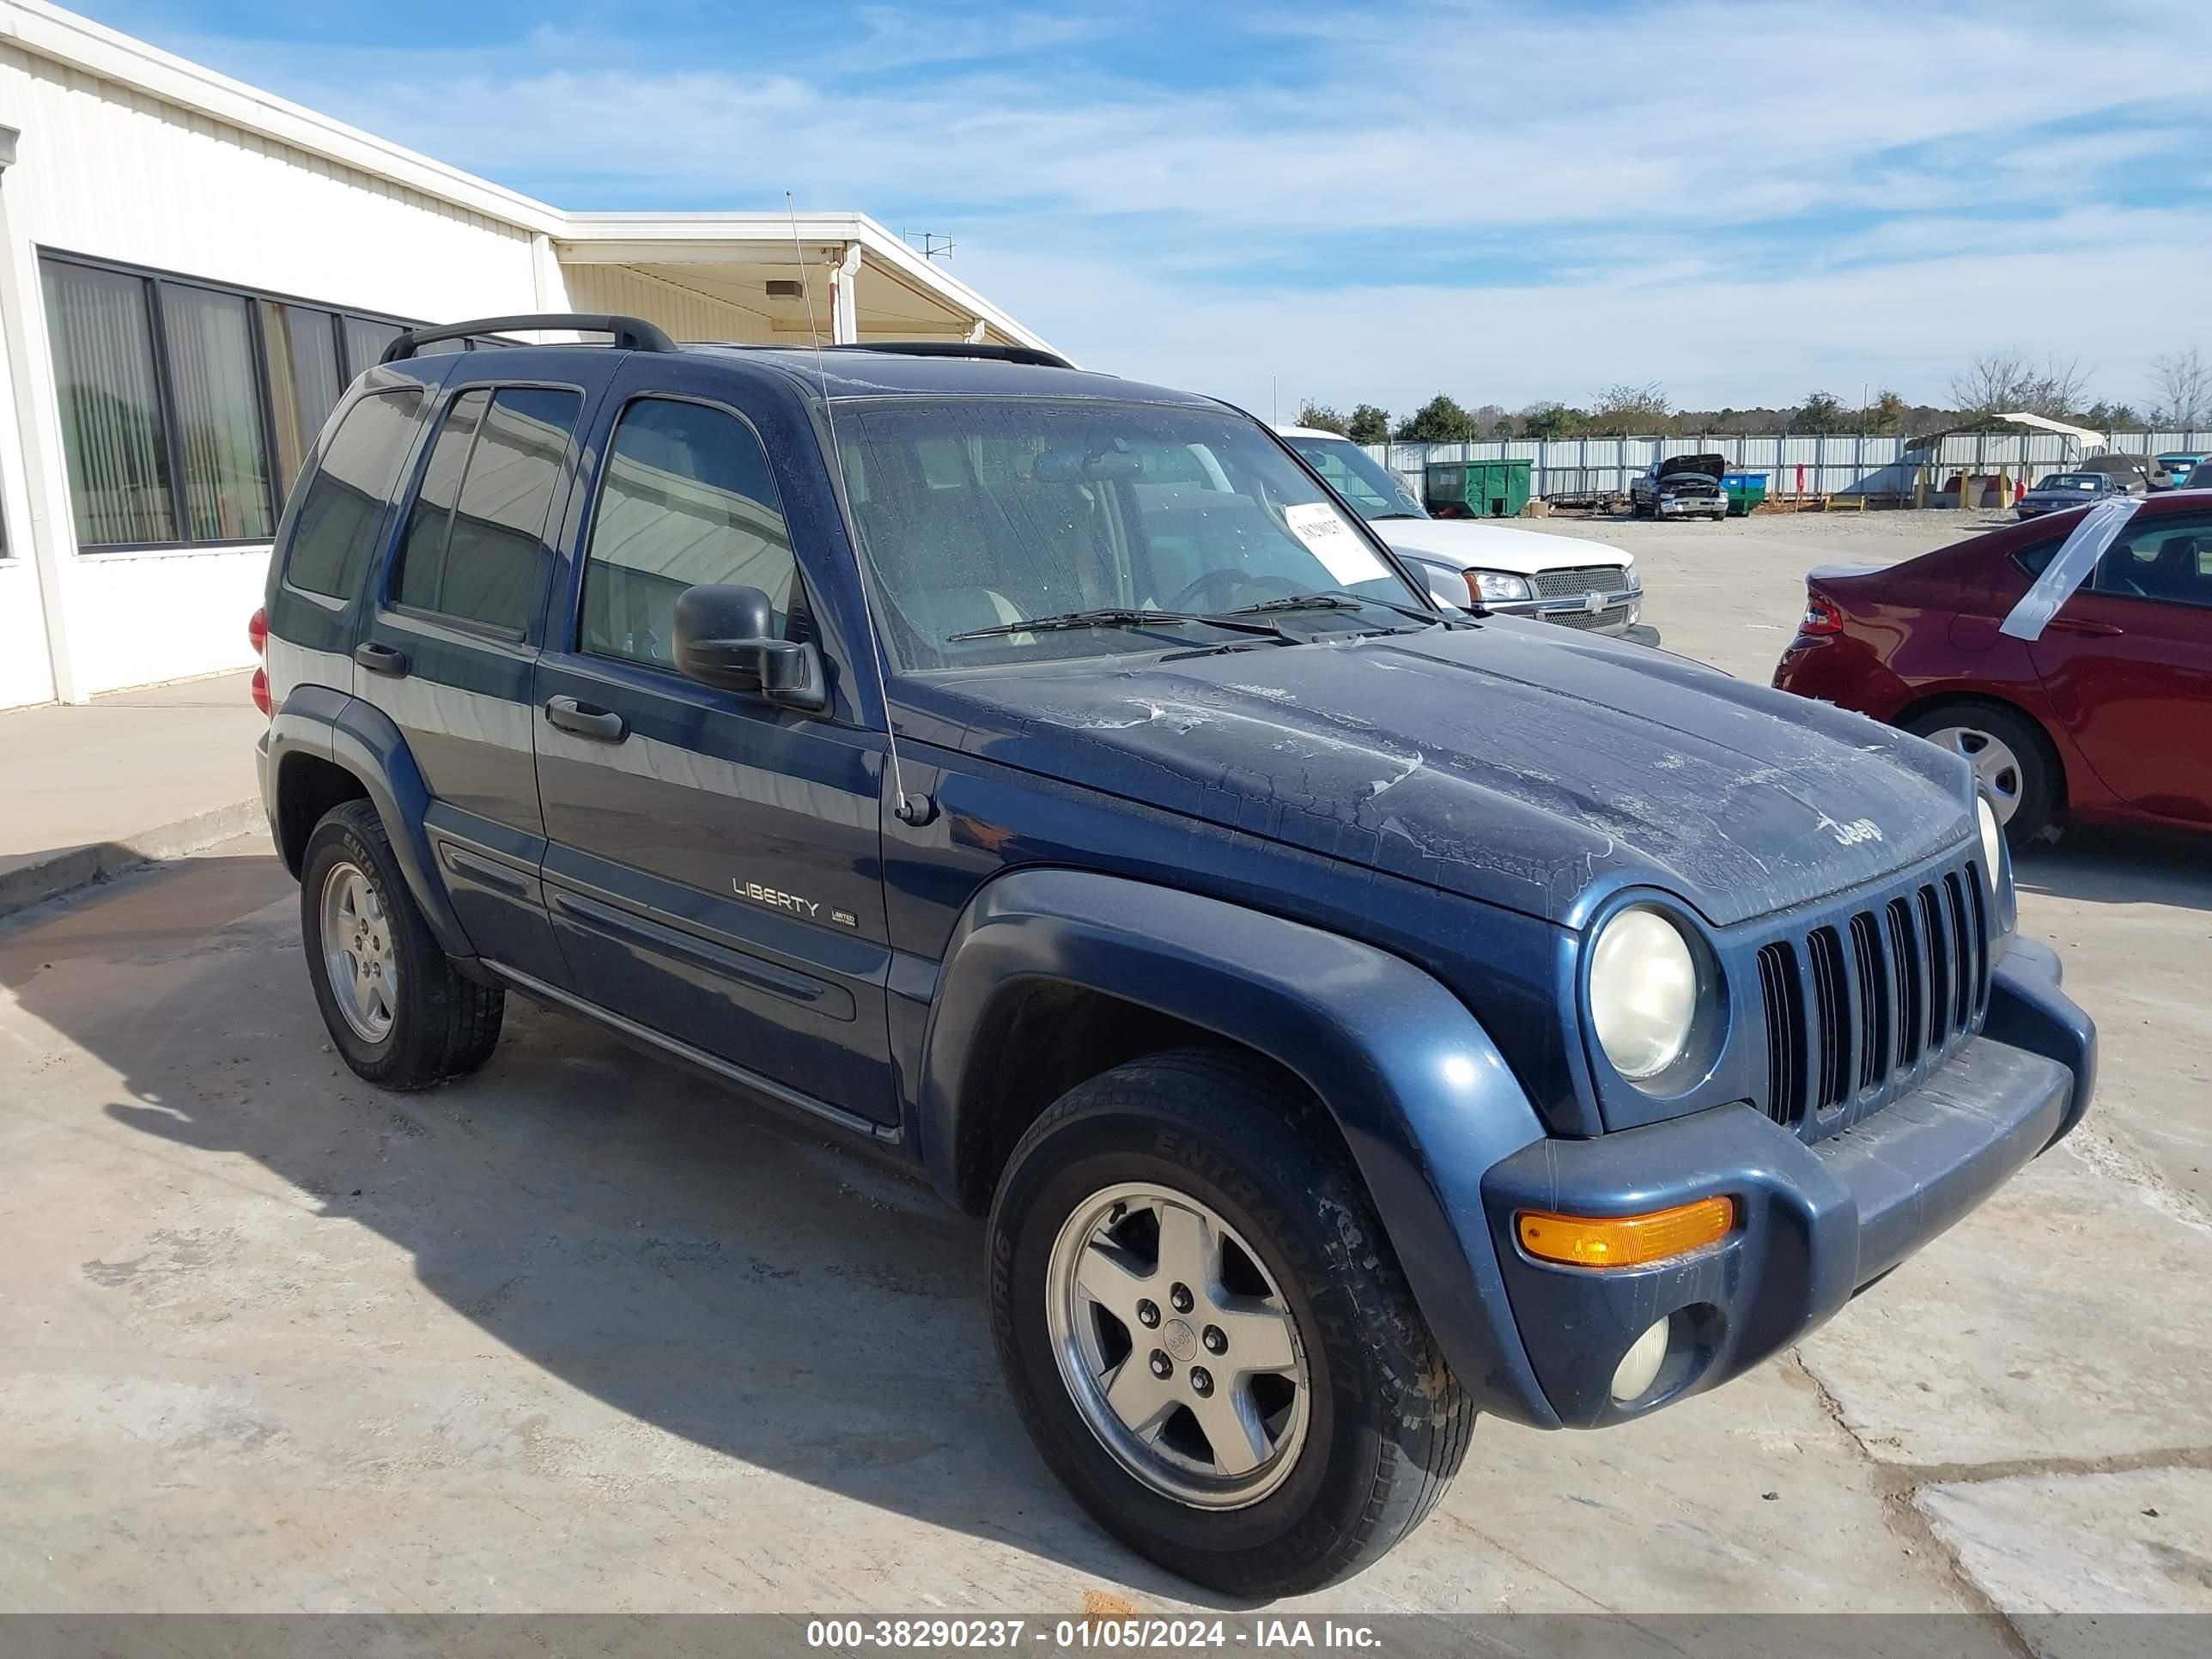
[975,513]
[2073,481]
[1371,488]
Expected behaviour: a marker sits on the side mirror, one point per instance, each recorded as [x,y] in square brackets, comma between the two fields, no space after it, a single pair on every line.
[725,636]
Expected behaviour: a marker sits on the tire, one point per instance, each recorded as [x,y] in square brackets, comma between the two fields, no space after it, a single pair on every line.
[1360,1454]
[436,1025]
[1986,733]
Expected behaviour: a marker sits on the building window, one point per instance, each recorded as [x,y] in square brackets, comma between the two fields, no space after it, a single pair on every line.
[111,420]
[188,408]
[304,380]
[214,386]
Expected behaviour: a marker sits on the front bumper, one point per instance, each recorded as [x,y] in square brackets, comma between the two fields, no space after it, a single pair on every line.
[1693,506]
[1588,613]
[1816,1222]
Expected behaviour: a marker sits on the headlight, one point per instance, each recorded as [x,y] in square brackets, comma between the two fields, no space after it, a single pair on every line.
[1992,841]
[1497,586]
[1643,991]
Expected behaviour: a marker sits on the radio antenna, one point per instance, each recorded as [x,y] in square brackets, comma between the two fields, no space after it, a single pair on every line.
[916,810]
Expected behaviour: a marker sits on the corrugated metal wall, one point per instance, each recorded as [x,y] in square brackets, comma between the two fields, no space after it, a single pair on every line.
[1840,464]
[107,171]
[684,312]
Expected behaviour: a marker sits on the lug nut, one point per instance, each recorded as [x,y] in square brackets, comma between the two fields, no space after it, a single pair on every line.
[1162,1366]
[1215,1340]
[1148,1313]
[1201,1380]
[1180,1295]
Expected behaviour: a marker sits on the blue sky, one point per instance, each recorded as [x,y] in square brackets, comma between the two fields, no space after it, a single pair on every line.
[1741,202]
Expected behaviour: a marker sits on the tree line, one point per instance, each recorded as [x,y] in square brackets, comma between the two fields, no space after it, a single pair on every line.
[1993,383]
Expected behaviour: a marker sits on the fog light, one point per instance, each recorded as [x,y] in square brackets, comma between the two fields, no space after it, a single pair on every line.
[1639,1366]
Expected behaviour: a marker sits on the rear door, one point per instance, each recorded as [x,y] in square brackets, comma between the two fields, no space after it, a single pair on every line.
[714,861]
[2127,664]
[449,650]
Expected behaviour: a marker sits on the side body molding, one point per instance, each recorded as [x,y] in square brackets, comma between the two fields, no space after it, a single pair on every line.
[358,735]
[1424,1099]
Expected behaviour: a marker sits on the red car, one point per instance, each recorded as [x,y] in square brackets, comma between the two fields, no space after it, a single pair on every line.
[2106,716]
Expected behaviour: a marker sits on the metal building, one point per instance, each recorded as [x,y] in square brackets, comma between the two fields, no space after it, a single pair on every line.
[190,271]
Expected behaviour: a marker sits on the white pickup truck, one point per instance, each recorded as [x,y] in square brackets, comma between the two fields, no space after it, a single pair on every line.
[1585,585]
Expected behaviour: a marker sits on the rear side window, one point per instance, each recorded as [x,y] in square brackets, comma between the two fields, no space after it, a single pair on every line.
[334,536]
[475,546]
[2168,559]
[687,498]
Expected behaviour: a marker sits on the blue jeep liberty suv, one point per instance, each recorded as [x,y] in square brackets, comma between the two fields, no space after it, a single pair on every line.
[1351,1016]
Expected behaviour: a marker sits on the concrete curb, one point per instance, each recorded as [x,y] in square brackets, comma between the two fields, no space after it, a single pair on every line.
[49,875]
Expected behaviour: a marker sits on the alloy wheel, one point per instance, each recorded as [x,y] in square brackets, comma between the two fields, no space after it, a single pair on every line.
[359,952]
[1178,1347]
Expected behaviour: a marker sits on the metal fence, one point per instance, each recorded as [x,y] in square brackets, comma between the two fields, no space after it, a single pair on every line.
[1845,464]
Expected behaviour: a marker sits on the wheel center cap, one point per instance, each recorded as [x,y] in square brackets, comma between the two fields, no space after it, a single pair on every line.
[1179,1338]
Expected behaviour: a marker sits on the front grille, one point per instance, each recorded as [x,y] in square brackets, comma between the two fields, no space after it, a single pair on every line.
[1861,1007]
[1582,579]
[1609,618]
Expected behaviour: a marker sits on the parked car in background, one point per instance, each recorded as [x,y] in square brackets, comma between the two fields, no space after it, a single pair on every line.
[1680,487]
[2106,715]
[2181,468]
[1583,585]
[2059,492]
[2138,475]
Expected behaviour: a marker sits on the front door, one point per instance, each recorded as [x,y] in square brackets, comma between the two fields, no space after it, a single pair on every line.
[2127,664]
[449,652]
[713,866]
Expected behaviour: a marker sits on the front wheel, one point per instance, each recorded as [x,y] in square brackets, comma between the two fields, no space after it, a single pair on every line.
[1207,1335]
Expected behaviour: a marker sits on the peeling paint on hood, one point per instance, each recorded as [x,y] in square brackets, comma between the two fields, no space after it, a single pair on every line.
[1503,763]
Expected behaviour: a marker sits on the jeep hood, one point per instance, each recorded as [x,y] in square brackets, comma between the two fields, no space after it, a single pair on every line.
[1504,763]
[1472,542]
[1689,467]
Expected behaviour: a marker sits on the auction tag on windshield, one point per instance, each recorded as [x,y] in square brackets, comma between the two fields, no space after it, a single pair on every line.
[1333,541]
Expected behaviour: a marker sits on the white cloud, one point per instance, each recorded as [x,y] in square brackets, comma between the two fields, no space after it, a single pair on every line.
[1739,200]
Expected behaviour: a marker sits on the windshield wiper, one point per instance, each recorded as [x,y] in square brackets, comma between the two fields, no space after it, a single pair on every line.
[1112,616]
[1338,599]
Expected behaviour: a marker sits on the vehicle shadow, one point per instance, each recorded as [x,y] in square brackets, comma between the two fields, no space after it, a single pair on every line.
[2121,866]
[656,1241]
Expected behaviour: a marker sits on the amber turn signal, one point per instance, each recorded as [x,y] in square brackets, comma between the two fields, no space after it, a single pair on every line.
[1624,1241]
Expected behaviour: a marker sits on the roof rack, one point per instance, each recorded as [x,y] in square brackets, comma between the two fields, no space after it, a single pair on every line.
[631,333]
[1036,356]
[1033,355]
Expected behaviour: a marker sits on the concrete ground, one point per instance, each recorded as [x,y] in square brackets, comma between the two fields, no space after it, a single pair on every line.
[100,786]
[580,1334]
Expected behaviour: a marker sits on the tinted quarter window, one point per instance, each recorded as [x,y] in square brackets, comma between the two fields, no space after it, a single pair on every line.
[687,498]
[334,534]
[476,536]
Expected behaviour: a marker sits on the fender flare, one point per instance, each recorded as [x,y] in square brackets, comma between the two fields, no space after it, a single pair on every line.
[1421,1095]
[361,738]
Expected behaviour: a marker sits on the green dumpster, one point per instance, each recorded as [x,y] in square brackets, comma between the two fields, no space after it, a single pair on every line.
[1476,490]
[1745,491]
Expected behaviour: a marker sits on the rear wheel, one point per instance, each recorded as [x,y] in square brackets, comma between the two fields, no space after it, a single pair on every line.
[396,1009]
[2012,759]
[1206,1333]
